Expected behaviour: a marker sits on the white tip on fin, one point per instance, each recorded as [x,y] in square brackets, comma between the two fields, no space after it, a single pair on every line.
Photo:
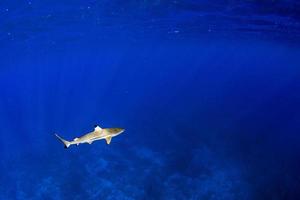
[108,139]
[97,128]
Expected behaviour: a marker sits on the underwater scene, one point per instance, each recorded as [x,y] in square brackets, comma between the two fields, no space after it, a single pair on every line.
[150,100]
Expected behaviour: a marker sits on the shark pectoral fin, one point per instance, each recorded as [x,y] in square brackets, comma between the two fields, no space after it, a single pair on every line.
[108,139]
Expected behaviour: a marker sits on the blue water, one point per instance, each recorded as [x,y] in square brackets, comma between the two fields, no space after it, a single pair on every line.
[208,92]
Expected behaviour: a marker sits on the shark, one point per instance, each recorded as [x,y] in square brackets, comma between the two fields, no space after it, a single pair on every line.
[98,134]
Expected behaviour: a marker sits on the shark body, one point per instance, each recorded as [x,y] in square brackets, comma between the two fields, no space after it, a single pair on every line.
[97,134]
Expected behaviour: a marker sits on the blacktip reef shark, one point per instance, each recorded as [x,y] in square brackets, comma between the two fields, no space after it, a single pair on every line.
[97,134]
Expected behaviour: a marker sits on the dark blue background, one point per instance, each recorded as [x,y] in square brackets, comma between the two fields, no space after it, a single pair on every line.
[208,93]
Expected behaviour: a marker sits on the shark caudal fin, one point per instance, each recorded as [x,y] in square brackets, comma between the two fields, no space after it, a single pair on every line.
[65,142]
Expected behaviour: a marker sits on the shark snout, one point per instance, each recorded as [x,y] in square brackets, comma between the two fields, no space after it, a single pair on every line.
[121,130]
[115,131]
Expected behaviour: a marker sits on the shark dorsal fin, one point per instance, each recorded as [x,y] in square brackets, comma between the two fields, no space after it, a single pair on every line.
[97,128]
[75,139]
[108,139]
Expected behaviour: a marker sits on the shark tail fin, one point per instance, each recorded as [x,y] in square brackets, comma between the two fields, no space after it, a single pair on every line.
[65,142]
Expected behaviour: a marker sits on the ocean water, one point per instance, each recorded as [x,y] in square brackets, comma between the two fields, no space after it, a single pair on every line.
[208,93]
